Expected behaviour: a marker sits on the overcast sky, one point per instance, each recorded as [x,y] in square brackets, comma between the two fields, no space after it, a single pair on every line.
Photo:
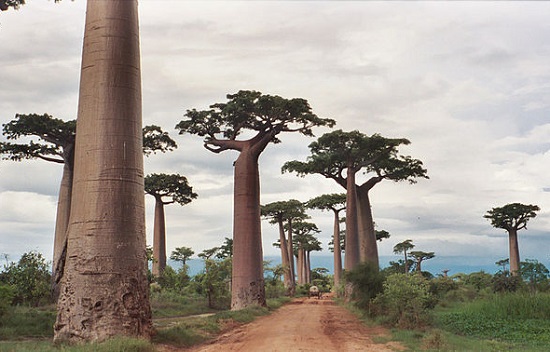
[468,83]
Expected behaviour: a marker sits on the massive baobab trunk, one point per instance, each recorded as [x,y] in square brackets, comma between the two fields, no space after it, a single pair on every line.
[514,251]
[159,239]
[352,242]
[62,222]
[247,286]
[337,251]
[104,290]
[368,248]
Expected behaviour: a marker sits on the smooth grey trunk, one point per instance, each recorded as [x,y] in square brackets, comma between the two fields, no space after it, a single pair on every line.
[104,289]
[514,251]
[247,287]
[62,222]
[285,261]
[159,239]
[291,254]
[368,247]
[352,242]
[337,252]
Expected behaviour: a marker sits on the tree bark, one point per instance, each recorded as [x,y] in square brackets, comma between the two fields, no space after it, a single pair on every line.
[308,267]
[287,277]
[368,247]
[247,287]
[159,239]
[104,289]
[514,251]
[337,252]
[61,224]
[352,242]
[291,255]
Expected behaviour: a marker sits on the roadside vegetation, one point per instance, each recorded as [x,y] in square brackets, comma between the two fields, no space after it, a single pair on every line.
[463,312]
[186,310]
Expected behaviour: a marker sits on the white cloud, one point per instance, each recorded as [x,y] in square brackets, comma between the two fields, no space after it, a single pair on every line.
[466,82]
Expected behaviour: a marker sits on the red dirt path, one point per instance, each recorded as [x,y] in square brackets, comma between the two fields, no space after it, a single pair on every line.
[305,324]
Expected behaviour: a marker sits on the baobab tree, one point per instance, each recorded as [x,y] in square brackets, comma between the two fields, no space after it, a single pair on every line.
[181,254]
[337,152]
[265,116]
[54,142]
[104,290]
[166,189]
[305,242]
[403,247]
[44,137]
[336,203]
[284,213]
[512,218]
[419,257]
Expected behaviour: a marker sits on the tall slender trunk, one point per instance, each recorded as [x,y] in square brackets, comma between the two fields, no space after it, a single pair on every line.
[291,254]
[368,248]
[104,290]
[62,222]
[352,242]
[247,287]
[337,252]
[514,251]
[308,267]
[159,239]
[287,277]
[300,266]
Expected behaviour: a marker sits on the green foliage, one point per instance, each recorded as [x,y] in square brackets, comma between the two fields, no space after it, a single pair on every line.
[512,317]
[405,301]
[504,282]
[156,140]
[512,216]
[7,293]
[30,279]
[181,254]
[441,286]
[252,111]
[174,280]
[367,283]
[535,274]
[214,283]
[174,186]
[49,137]
[479,280]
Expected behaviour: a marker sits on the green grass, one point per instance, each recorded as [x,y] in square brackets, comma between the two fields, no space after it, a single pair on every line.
[26,322]
[118,344]
[193,330]
[519,318]
[170,304]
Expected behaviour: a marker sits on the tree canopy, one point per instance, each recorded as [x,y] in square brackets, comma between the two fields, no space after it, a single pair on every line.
[53,136]
[268,115]
[174,186]
[513,216]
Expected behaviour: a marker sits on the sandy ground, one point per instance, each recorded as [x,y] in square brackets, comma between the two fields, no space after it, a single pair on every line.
[305,324]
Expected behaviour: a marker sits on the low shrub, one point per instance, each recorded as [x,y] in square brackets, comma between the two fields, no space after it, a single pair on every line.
[405,301]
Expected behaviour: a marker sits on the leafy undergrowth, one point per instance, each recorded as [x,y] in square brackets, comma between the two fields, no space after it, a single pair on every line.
[520,319]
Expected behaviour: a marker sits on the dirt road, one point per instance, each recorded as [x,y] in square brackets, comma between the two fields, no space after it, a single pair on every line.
[306,324]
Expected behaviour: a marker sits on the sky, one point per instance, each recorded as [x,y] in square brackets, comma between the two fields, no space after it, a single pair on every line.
[468,83]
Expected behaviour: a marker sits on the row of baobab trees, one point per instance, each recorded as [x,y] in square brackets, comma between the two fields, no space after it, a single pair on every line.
[100,260]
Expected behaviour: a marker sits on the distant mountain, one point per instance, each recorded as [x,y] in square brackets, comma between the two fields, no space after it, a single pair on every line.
[457,264]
